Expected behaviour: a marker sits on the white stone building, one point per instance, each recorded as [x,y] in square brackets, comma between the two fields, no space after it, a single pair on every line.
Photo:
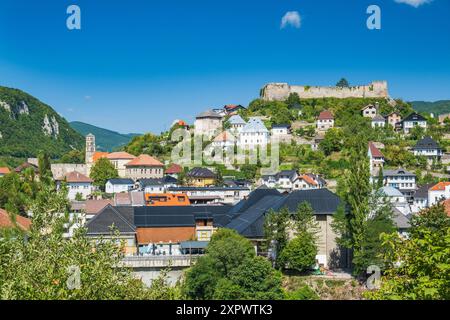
[253,134]
[208,124]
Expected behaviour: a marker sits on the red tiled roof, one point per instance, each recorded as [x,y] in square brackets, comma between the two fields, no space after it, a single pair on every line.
[6,222]
[325,115]
[144,160]
[374,151]
[75,177]
[120,155]
[95,206]
[4,170]
[440,186]
[309,180]
[98,155]
[174,168]
[224,136]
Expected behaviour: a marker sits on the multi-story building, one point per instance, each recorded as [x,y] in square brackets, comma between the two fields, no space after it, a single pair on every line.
[438,192]
[254,134]
[78,185]
[369,111]
[119,160]
[428,147]
[144,167]
[402,180]
[413,120]
[325,121]
[208,124]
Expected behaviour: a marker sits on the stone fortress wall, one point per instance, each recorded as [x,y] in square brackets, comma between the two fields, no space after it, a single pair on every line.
[281,91]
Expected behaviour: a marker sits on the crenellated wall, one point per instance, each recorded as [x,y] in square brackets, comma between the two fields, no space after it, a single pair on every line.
[281,91]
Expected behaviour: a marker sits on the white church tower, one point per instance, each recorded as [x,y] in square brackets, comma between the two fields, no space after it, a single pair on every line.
[90,149]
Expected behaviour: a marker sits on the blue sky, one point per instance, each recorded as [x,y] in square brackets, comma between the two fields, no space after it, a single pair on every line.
[137,65]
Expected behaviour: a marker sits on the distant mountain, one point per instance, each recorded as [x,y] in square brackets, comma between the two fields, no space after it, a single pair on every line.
[438,107]
[106,140]
[28,126]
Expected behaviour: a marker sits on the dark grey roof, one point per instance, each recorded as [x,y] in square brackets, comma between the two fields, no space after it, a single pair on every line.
[247,217]
[156,182]
[121,181]
[281,126]
[400,220]
[398,173]
[414,117]
[290,173]
[199,172]
[422,192]
[209,114]
[119,217]
[176,216]
[426,143]
[322,201]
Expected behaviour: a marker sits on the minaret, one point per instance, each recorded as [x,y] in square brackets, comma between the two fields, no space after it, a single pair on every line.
[90,148]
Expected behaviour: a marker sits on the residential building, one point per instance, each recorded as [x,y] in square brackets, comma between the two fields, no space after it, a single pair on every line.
[110,219]
[174,170]
[233,108]
[248,217]
[61,169]
[210,195]
[428,147]
[401,222]
[224,140]
[369,111]
[325,121]
[132,199]
[288,180]
[166,199]
[396,199]
[394,119]
[144,167]
[402,180]
[119,160]
[281,132]
[93,206]
[446,204]
[308,181]
[420,199]
[27,165]
[157,185]
[254,133]
[4,171]
[413,120]
[119,185]
[18,221]
[208,123]
[77,184]
[378,121]
[201,177]
[236,123]
[376,159]
[438,192]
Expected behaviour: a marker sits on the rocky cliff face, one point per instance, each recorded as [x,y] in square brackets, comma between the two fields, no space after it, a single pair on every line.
[28,126]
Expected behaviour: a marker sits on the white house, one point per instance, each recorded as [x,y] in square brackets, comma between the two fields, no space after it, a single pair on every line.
[376,159]
[307,182]
[325,121]
[413,120]
[397,199]
[77,184]
[428,147]
[289,180]
[420,199]
[438,192]
[280,130]
[402,180]
[119,185]
[157,185]
[253,134]
[236,123]
[378,121]
[369,111]
[208,195]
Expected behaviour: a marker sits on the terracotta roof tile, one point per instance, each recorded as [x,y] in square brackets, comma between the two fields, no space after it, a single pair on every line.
[446,204]
[75,177]
[325,115]
[95,206]
[6,222]
[98,155]
[309,180]
[4,170]
[120,155]
[174,168]
[144,160]
[224,136]
[440,186]
[374,150]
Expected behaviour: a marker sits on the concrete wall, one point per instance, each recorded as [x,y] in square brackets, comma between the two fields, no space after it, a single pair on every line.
[281,91]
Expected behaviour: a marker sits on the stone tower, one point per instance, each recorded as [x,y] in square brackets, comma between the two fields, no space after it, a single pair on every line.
[90,148]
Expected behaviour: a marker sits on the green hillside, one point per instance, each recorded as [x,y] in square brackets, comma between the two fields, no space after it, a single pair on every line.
[105,139]
[438,107]
[28,126]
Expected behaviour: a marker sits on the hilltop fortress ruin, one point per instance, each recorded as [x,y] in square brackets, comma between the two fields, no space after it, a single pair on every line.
[281,91]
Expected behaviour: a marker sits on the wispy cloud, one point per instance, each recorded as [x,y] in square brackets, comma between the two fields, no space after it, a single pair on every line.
[414,3]
[87,98]
[291,18]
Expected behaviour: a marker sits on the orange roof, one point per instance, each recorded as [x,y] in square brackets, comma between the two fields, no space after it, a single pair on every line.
[98,155]
[174,168]
[164,234]
[4,170]
[308,179]
[182,123]
[374,150]
[224,136]
[325,115]
[144,160]
[75,177]
[440,186]
[6,222]
[120,155]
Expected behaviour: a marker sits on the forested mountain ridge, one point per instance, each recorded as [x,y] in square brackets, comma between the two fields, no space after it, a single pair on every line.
[437,107]
[29,126]
[106,140]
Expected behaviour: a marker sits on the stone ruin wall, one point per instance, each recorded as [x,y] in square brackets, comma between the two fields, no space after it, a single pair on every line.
[281,91]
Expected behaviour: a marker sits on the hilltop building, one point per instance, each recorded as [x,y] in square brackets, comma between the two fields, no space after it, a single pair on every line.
[208,123]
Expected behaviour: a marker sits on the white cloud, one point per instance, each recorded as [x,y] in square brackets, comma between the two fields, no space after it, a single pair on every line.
[414,3]
[87,98]
[291,18]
